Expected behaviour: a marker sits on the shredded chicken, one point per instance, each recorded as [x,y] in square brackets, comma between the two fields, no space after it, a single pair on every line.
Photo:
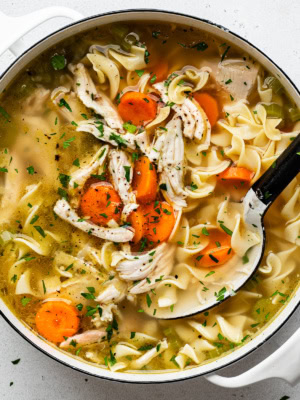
[238,77]
[106,134]
[121,171]
[139,266]
[83,173]
[114,291]
[34,105]
[163,269]
[93,99]
[63,209]
[106,315]
[87,337]
[168,150]
[195,121]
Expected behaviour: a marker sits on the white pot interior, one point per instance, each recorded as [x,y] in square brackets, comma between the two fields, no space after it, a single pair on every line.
[144,376]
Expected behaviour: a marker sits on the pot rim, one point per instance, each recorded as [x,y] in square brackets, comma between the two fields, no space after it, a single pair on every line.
[173,376]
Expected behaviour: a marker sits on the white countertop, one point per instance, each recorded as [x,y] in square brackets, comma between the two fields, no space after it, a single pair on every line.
[271,25]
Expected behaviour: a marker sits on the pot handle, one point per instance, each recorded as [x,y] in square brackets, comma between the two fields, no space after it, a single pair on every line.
[284,363]
[12,29]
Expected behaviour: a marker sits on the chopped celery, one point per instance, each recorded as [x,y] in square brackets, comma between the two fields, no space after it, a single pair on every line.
[274,110]
[293,114]
[119,31]
[273,83]
[173,338]
[264,310]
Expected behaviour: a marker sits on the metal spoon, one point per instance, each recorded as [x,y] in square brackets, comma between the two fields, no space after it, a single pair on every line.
[255,204]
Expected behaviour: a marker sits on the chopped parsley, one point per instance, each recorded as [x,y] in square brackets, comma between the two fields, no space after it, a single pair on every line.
[220,294]
[76,162]
[225,52]
[153,79]
[40,230]
[44,286]
[118,139]
[172,359]
[139,72]
[62,193]
[226,230]
[148,299]
[163,186]
[34,219]
[64,180]
[69,267]
[127,172]
[134,156]
[213,258]
[63,103]
[267,195]
[30,170]
[193,186]
[88,296]
[201,46]
[68,142]
[205,231]
[146,347]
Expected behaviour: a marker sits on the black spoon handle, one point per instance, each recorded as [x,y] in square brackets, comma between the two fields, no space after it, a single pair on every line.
[280,174]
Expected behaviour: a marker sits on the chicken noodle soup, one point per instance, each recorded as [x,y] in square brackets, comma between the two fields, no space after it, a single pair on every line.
[125,154]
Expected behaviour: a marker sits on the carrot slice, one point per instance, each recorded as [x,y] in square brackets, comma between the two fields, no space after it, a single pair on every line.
[144,180]
[236,174]
[101,203]
[56,320]
[159,221]
[159,71]
[136,218]
[137,108]
[209,105]
[217,252]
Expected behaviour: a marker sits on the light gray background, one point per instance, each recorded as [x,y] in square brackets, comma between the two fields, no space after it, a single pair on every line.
[273,26]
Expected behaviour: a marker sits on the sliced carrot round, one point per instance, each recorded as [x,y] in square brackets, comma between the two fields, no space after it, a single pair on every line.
[136,219]
[209,105]
[159,72]
[101,203]
[236,174]
[217,252]
[144,180]
[56,320]
[159,220]
[137,108]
